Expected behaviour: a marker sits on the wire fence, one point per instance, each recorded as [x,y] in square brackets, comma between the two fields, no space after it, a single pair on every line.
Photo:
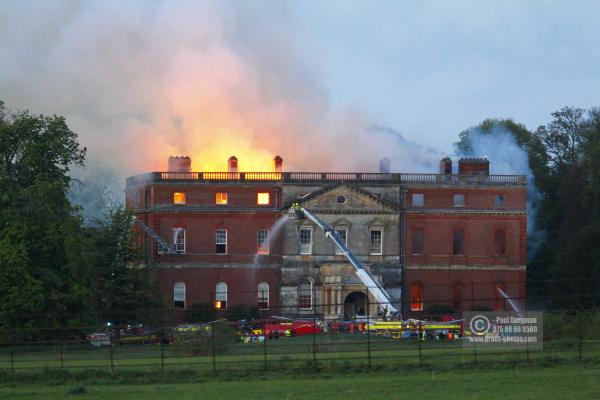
[280,339]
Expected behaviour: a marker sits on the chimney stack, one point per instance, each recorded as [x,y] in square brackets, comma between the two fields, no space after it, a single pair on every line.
[446,166]
[384,165]
[180,164]
[278,163]
[232,164]
[474,166]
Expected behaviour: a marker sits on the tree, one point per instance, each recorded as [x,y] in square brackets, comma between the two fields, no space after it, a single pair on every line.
[43,263]
[124,293]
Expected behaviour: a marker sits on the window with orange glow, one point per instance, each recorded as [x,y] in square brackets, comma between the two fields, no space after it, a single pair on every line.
[263,198]
[416,297]
[178,198]
[221,198]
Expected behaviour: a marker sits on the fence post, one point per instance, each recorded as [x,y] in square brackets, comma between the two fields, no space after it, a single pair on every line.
[368,332]
[62,351]
[12,359]
[265,347]
[214,351]
[579,328]
[112,364]
[162,355]
[420,340]
[162,340]
[315,336]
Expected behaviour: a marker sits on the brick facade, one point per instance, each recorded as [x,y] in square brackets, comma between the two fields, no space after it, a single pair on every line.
[459,270]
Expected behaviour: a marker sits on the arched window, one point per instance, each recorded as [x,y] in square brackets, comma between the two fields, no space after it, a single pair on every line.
[263,296]
[416,297]
[221,295]
[305,294]
[179,295]
[498,296]
[457,295]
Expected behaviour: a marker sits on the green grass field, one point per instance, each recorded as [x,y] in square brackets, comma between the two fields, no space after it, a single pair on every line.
[576,381]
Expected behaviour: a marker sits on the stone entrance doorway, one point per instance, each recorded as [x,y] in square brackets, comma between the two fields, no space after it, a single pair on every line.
[355,305]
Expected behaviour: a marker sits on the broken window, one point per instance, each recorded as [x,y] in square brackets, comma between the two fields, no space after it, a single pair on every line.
[221,241]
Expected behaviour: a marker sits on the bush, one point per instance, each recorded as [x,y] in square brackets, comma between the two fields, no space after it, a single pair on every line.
[243,311]
[204,312]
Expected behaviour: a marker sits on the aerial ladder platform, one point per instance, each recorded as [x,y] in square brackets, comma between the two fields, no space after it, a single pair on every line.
[384,300]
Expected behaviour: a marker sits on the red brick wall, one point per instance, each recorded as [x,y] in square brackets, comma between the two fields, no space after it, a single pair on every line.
[479,241]
[478,287]
[200,284]
[200,232]
[204,195]
[479,198]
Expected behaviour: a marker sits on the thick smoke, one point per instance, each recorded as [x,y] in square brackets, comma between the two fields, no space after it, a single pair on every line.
[507,157]
[139,81]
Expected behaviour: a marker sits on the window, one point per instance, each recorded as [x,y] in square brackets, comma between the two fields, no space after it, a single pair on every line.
[263,198]
[416,297]
[221,241]
[306,240]
[458,242]
[499,200]
[418,200]
[459,200]
[376,243]
[305,294]
[179,240]
[457,290]
[500,242]
[178,198]
[221,296]
[263,296]
[179,295]
[417,241]
[262,241]
[343,234]
[221,198]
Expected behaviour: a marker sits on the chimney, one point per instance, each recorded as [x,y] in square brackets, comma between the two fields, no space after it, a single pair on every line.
[278,162]
[384,165]
[180,164]
[474,166]
[446,166]
[232,164]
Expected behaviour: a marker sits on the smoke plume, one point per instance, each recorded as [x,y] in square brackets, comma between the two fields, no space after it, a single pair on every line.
[507,157]
[140,81]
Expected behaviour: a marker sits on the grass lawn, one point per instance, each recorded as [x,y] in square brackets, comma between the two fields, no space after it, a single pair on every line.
[576,381]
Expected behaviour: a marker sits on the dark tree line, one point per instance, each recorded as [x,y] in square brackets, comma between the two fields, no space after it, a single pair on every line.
[564,156]
[56,271]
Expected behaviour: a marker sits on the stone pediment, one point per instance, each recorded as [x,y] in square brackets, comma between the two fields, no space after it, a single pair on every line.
[345,198]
